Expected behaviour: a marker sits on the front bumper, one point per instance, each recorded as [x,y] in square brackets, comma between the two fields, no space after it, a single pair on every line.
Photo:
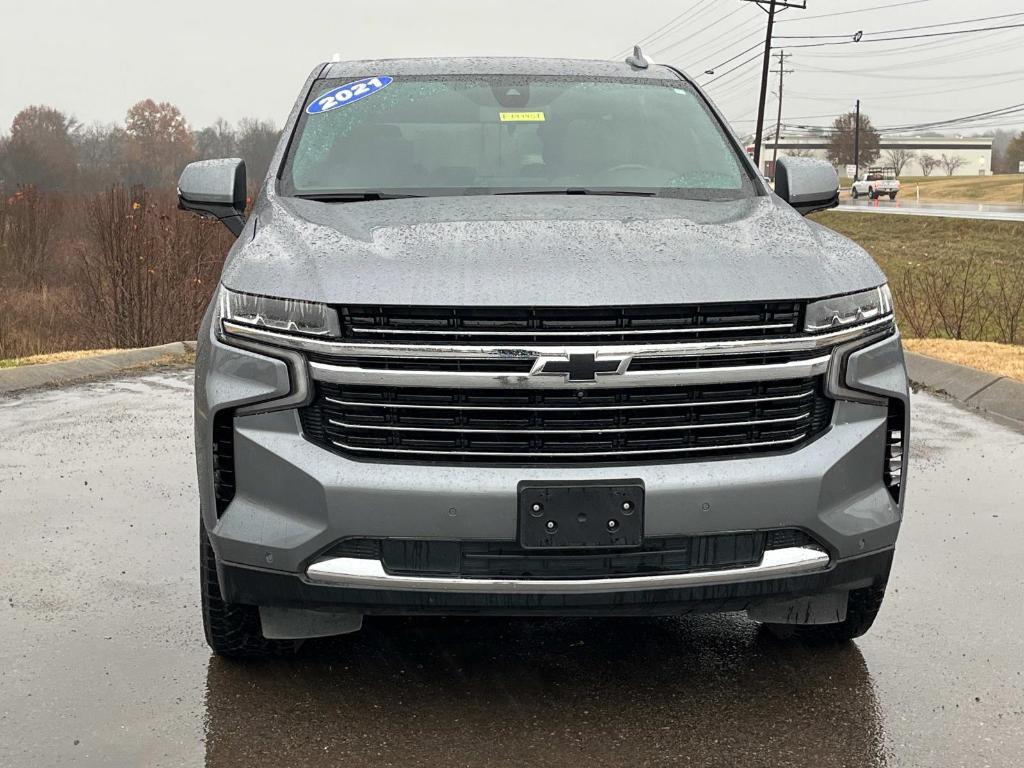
[294,500]
[265,587]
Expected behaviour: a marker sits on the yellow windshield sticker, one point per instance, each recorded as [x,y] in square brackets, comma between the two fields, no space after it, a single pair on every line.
[521,117]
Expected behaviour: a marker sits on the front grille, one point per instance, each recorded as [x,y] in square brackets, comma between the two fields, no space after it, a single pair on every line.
[566,425]
[577,325]
[508,560]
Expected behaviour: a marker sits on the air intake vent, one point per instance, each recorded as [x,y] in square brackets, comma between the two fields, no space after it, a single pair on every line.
[223,460]
[894,450]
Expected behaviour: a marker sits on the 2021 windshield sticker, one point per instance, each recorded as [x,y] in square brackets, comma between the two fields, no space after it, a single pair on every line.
[346,94]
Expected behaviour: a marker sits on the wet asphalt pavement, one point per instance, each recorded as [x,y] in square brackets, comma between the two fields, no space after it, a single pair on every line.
[907,205]
[102,660]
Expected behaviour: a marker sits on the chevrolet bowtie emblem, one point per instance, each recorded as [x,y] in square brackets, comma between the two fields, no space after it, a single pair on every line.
[579,366]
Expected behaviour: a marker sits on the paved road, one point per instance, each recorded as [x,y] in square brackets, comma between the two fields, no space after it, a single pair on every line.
[102,661]
[911,207]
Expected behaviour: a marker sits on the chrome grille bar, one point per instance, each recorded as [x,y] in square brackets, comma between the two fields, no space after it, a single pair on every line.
[578,408]
[612,455]
[603,430]
[340,374]
[341,349]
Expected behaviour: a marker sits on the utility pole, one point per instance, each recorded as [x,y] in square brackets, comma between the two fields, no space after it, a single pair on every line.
[778,120]
[856,144]
[771,7]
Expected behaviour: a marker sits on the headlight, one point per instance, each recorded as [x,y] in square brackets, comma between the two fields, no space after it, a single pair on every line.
[308,318]
[853,308]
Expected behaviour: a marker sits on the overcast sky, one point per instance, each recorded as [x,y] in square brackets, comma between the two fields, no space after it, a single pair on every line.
[94,58]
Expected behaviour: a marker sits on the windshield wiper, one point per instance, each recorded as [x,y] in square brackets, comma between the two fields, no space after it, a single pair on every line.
[581,191]
[355,197]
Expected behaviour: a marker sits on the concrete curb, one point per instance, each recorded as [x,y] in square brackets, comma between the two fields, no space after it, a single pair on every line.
[987,392]
[53,374]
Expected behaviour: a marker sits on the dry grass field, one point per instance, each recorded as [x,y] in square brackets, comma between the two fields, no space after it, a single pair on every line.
[997,359]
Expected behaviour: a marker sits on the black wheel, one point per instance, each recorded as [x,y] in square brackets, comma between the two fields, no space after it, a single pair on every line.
[892,195]
[232,630]
[853,193]
[871,194]
[861,609]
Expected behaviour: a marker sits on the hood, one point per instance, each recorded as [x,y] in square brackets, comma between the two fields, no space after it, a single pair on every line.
[543,250]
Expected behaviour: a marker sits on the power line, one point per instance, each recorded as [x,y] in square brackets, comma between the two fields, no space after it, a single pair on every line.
[698,32]
[711,70]
[742,63]
[887,73]
[888,95]
[908,37]
[967,121]
[905,49]
[746,28]
[885,7]
[651,37]
[904,29]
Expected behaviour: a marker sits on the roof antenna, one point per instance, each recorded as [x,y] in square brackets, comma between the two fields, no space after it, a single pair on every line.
[638,59]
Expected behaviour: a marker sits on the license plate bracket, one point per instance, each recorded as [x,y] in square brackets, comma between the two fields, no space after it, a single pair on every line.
[581,515]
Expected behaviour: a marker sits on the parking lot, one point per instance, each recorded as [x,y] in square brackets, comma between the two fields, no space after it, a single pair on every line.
[102,660]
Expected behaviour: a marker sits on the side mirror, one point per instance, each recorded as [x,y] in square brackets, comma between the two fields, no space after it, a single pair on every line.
[215,188]
[807,184]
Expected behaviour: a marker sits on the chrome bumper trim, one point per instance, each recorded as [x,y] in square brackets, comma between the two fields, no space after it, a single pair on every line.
[341,374]
[361,573]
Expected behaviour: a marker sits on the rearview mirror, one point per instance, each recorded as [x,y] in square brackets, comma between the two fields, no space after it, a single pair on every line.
[807,184]
[215,188]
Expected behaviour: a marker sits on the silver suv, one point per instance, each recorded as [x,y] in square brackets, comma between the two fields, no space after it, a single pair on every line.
[533,337]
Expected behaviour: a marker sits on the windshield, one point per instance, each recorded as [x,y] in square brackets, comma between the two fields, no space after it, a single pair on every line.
[466,135]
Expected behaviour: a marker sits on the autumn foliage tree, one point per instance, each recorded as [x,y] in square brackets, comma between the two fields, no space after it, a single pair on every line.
[159,143]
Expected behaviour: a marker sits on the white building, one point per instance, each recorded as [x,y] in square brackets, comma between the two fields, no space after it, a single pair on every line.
[974,154]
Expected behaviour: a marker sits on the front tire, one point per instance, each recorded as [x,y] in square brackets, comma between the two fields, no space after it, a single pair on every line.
[232,630]
[853,193]
[862,608]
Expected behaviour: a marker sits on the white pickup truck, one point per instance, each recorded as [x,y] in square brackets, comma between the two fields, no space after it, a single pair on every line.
[876,182]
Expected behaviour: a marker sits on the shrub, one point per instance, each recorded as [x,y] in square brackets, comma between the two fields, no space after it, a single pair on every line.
[147,270]
[28,220]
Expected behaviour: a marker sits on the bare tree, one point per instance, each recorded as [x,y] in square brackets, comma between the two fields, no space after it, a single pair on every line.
[928,163]
[950,163]
[1010,297]
[257,140]
[842,141]
[217,140]
[898,158]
